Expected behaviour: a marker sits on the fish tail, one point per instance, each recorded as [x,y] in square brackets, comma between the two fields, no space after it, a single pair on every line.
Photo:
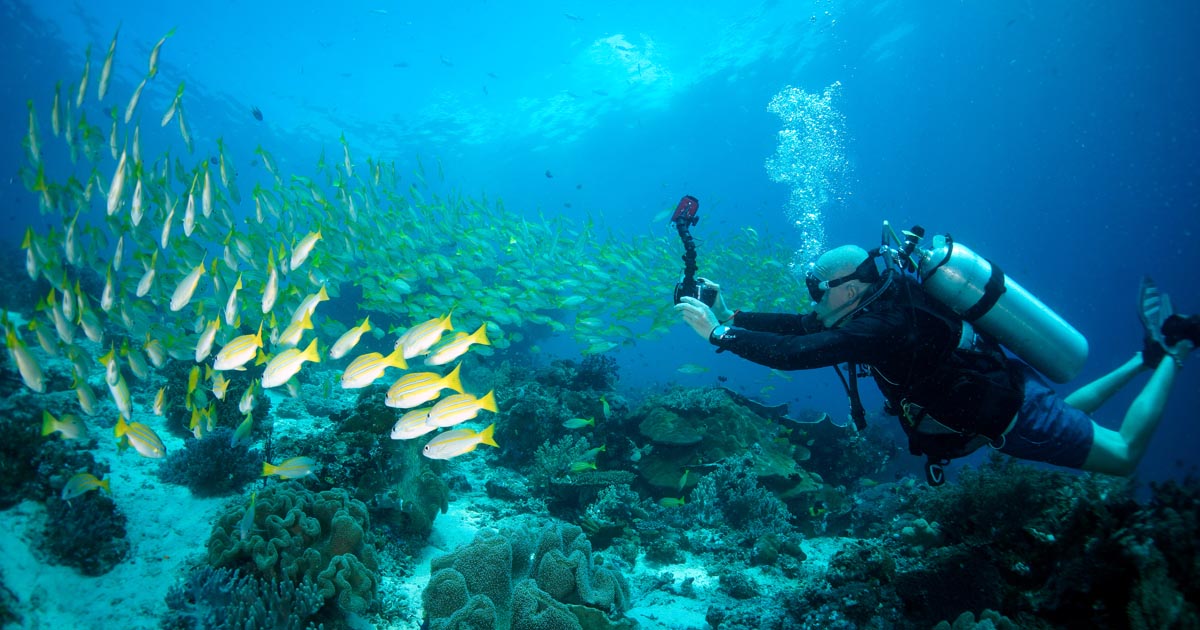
[104,484]
[310,353]
[488,402]
[480,336]
[48,423]
[268,469]
[453,380]
[396,358]
[485,436]
[366,325]
[122,428]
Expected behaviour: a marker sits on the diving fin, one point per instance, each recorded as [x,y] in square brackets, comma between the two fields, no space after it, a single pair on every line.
[1154,308]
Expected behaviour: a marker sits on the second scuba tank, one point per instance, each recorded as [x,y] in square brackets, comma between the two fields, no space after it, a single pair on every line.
[979,292]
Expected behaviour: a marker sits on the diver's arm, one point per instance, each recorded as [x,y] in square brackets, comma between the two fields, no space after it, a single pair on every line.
[860,341]
[781,323]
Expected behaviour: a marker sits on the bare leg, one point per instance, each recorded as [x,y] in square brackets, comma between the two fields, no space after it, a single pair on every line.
[1089,397]
[1118,452]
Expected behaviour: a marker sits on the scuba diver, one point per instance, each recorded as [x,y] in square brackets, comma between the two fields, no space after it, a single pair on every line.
[948,378]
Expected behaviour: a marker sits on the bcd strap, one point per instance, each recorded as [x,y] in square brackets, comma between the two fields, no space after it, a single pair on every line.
[858,413]
[991,294]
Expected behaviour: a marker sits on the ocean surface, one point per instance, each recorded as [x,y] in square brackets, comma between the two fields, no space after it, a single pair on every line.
[540,145]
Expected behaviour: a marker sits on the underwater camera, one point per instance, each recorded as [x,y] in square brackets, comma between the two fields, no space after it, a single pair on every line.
[683,218]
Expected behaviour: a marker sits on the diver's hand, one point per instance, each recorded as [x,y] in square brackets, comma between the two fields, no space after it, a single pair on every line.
[698,316]
[722,312]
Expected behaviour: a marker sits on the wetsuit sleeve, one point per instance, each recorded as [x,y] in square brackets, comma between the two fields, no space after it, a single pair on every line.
[782,323]
[867,339]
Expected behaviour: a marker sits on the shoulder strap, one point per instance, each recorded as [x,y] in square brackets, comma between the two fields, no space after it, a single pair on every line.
[857,412]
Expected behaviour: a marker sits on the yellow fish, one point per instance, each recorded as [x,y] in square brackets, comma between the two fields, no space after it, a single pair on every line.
[271,290]
[286,364]
[231,304]
[293,468]
[239,351]
[414,389]
[349,339]
[87,398]
[142,438]
[457,442]
[160,401]
[147,280]
[82,483]
[412,424]
[458,347]
[309,304]
[246,404]
[302,249]
[219,386]
[187,287]
[458,408]
[419,338]
[117,186]
[71,427]
[30,371]
[205,344]
[106,70]
[290,337]
[367,369]
[120,395]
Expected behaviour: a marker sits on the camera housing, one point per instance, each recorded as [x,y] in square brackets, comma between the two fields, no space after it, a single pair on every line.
[701,292]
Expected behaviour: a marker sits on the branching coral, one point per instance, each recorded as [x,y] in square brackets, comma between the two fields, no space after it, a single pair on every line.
[212,466]
[223,599]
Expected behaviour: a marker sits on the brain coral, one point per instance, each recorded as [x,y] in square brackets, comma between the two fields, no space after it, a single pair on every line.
[297,534]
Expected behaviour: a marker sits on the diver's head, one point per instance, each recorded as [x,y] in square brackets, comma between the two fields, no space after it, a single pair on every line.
[838,282]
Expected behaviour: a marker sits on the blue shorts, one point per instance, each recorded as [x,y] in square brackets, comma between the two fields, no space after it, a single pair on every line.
[1047,429]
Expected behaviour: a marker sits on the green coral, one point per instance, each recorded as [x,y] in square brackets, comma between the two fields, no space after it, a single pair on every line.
[520,579]
[299,534]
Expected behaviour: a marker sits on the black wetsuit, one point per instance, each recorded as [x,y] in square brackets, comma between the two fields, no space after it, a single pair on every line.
[911,345]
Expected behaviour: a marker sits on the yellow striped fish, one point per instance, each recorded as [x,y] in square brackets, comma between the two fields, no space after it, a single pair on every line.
[419,338]
[187,287]
[142,438]
[457,442]
[349,339]
[367,369]
[412,424]
[293,468]
[286,364]
[452,410]
[239,351]
[81,484]
[458,347]
[414,389]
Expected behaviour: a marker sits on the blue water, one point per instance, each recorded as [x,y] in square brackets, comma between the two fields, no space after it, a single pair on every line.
[1057,139]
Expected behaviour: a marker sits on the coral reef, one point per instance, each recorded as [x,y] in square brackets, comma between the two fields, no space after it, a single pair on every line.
[695,429]
[404,490]
[520,578]
[87,533]
[224,599]
[29,462]
[302,535]
[730,499]
[8,605]
[212,466]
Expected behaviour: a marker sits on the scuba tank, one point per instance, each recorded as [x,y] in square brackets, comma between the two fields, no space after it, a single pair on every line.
[978,291]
